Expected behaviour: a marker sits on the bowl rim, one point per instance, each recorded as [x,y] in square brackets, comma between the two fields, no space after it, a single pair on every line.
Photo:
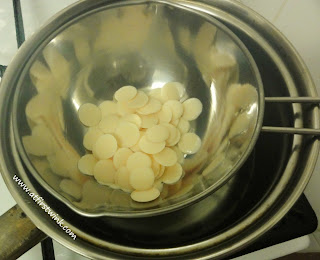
[63,20]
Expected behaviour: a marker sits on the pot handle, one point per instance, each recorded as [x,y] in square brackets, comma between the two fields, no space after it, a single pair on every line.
[20,234]
[292,130]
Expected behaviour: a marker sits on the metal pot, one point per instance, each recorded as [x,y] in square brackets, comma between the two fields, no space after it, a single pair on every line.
[284,179]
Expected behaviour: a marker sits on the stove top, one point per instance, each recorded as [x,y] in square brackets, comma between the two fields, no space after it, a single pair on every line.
[299,221]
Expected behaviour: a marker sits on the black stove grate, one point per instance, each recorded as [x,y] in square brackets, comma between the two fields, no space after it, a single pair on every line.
[299,221]
[18,22]
[2,70]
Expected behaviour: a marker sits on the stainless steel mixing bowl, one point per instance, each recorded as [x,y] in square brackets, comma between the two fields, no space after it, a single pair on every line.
[144,44]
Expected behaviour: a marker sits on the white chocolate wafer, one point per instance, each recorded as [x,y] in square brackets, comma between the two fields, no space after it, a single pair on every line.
[108,107]
[109,123]
[138,160]
[104,172]
[175,122]
[155,168]
[146,195]
[123,109]
[105,147]
[165,114]
[162,169]
[127,134]
[121,156]
[157,133]
[151,147]
[172,174]
[170,91]
[175,140]
[141,178]
[180,157]
[176,108]
[174,135]
[136,147]
[91,137]
[158,185]
[189,143]
[148,121]
[156,93]
[125,93]
[123,179]
[86,164]
[167,157]
[151,107]
[181,89]
[183,126]
[89,114]
[140,100]
[192,108]
[133,118]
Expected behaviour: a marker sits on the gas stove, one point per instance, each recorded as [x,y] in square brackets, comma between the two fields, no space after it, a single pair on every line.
[21,19]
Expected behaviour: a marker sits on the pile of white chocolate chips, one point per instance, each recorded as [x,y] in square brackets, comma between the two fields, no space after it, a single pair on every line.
[137,142]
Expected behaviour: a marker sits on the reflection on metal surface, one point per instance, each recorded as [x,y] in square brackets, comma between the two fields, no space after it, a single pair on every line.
[214,99]
[76,105]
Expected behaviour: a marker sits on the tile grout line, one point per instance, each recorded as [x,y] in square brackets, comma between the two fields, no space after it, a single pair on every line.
[279,11]
[315,235]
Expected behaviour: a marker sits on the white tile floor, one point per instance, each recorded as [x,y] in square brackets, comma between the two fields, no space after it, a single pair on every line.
[8,202]
[8,45]
[269,9]
[40,7]
[298,20]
